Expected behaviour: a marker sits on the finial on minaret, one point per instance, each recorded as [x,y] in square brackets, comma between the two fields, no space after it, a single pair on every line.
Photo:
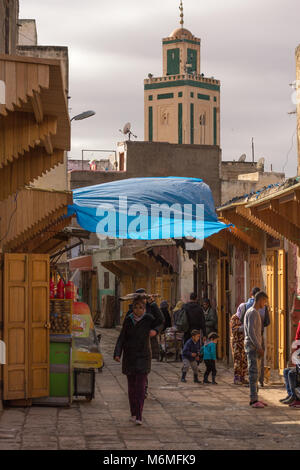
[181,14]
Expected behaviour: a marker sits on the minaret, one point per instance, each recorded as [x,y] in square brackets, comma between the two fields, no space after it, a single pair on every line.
[182,106]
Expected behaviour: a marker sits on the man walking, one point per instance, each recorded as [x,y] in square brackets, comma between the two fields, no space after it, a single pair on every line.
[195,318]
[254,346]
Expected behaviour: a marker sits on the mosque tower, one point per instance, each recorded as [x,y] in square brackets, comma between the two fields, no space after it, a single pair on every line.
[182,106]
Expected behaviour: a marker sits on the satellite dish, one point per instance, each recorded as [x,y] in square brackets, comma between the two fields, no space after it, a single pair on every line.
[242,158]
[261,162]
[126,128]
[127,131]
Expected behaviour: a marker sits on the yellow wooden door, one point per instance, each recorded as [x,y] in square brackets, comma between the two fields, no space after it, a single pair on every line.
[281,308]
[26,326]
[15,292]
[271,330]
[39,312]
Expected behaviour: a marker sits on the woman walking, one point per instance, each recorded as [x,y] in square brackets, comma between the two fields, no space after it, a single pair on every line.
[134,343]
[176,310]
[238,348]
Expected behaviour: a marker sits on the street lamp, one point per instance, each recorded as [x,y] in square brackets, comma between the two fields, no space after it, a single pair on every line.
[81,116]
[85,115]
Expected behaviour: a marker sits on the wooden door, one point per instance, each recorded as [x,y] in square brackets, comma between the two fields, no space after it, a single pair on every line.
[166,288]
[271,330]
[158,289]
[26,323]
[126,288]
[221,308]
[15,294]
[239,278]
[255,270]
[281,308]
[39,326]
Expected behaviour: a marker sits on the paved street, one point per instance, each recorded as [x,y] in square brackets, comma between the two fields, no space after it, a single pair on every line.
[177,416]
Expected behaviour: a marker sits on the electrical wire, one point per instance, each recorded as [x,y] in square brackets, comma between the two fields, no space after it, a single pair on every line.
[291,148]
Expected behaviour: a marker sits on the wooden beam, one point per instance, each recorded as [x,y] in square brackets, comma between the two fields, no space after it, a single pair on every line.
[251,235]
[110,266]
[278,223]
[290,210]
[37,107]
[147,261]
[218,241]
[48,144]
[246,213]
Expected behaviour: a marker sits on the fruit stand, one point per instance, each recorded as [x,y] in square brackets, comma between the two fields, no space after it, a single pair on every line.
[75,353]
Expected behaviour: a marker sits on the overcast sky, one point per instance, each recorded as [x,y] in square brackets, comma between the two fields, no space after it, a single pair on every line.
[247,44]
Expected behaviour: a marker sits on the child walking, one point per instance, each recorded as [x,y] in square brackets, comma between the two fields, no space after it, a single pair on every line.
[209,351]
[134,343]
[191,355]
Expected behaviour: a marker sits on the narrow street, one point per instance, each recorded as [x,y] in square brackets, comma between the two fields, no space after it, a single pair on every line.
[177,416]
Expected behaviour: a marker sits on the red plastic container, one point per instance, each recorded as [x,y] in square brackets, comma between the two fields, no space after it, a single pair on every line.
[60,289]
[52,289]
[70,291]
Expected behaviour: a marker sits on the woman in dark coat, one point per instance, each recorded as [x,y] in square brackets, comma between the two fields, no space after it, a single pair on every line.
[134,344]
[164,308]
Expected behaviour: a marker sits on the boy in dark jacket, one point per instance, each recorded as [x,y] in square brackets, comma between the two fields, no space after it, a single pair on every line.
[134,344]
[191,356]
[209,351]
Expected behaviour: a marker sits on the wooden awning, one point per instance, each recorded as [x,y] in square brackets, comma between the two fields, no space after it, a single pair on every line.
[158,255]
[31,220]
[221,240]
[124,267]
[247,228]
[279,212]
[34,121]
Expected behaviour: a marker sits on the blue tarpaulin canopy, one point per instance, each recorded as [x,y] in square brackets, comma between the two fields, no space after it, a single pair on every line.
[147,209]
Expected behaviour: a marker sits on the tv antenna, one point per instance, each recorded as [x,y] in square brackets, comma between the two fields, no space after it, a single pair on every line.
[242,158]
[127,131]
